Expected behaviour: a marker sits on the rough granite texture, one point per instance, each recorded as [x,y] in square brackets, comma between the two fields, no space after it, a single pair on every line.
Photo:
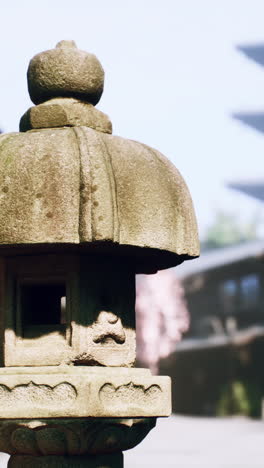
[99,325]
[65,112]
[78,185]
[65,72]
[82,391]
[40,181]
[72,436]
[66,182]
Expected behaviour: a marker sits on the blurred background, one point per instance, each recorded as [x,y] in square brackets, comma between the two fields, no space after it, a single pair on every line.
[187,78]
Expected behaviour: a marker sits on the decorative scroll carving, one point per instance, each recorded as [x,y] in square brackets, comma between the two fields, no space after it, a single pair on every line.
[38,395]
[72,436]
[129,395]
[104,334]
[108,328]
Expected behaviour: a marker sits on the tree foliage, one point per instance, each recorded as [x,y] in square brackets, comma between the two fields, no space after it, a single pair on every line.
[227,229]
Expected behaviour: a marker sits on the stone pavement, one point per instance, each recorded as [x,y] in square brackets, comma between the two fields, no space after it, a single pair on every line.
[198,442]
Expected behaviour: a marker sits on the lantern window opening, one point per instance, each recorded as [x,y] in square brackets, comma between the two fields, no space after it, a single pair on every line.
[41,306]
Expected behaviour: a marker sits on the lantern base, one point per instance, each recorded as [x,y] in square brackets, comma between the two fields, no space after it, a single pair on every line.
[71,437]
[110,460]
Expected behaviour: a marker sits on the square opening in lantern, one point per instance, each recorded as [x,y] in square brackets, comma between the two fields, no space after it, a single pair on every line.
[42,307]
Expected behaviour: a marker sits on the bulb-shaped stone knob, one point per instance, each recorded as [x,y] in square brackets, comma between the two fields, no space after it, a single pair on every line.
[65,72]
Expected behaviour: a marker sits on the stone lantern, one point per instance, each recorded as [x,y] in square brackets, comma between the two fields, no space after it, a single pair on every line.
[81,212]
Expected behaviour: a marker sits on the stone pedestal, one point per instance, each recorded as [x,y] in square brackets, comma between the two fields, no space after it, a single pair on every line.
[73,437]
[66,414]
[52,461]
[34,393]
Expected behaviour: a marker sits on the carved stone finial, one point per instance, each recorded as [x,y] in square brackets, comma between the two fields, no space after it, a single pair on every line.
[65,71]
[66,45]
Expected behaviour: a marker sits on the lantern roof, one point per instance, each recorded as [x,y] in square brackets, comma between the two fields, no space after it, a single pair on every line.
[67,181]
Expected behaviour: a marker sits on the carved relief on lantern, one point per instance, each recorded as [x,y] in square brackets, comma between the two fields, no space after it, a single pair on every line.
[104,332]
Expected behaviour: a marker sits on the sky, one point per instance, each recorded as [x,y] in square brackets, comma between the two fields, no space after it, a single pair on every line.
[174,76]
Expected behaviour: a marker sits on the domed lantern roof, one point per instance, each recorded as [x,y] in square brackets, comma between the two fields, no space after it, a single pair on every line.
[67,182]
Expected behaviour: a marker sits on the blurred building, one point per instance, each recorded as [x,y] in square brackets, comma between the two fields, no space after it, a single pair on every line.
[223,348]
[255,120]
[224,291]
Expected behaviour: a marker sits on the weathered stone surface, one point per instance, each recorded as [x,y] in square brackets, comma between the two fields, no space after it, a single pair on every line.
[65,72]
[65,112]
[62,394]
[39,187]
[99,318]
[72,436]
[154,206]
[65,391]
[129,394]
[68,186]
[77,185]
[106,336]
[53,461]
[80,185]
